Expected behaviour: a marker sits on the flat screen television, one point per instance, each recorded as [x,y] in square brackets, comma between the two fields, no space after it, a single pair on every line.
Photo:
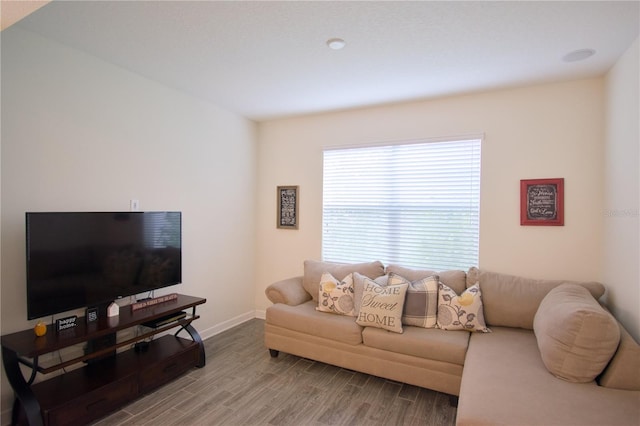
[89,259]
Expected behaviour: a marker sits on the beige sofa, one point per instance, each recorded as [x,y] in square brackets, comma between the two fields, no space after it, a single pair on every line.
[501,377]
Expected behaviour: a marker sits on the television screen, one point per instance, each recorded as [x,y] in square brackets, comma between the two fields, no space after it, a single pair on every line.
[85,259]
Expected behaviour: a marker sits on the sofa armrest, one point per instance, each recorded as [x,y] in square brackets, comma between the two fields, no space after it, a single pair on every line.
[289,291]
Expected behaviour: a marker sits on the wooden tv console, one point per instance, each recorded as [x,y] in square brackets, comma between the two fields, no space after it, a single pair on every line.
[108,380]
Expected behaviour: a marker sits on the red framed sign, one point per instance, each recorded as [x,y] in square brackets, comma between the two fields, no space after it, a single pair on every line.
[542,202]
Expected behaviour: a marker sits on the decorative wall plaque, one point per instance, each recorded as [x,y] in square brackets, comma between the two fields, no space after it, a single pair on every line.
[287,207]
[542,202]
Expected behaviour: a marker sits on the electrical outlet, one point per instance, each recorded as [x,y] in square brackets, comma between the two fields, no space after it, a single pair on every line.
[134,205]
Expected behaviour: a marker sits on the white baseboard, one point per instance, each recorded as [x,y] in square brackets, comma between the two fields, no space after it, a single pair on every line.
[230,323]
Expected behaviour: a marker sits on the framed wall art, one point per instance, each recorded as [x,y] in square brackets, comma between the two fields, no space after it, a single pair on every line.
[288,202]
[542,202]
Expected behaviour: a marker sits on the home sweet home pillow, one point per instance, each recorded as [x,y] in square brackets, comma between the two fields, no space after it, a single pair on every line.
[421,302]
[462,312]
[358,287]
[336,296]
[381,306]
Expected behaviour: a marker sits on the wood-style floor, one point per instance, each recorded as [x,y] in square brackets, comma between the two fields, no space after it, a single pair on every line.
[242,385]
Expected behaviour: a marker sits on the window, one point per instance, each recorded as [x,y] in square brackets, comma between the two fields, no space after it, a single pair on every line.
[414,204]
[162,229]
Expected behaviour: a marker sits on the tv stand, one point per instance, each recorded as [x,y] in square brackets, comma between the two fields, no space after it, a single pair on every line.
[102,342]
[108,380]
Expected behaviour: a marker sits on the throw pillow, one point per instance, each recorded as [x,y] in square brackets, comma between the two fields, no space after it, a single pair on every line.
[381,306]
[455,279]
[358,287]
[421,302]
[462,312]
[575,335]
[336,296]
[313,270]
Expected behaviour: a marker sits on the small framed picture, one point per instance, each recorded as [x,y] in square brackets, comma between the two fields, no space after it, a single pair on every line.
[288,201]
[92,314]
[542,202]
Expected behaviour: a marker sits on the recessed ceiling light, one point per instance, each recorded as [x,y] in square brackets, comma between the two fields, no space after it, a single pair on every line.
[336,43]
[578,55]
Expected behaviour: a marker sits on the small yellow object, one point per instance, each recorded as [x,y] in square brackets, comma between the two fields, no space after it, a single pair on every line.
[466,299]
[40,329]
[328,286]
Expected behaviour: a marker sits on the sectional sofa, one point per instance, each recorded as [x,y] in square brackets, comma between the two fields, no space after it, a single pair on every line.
[533,352]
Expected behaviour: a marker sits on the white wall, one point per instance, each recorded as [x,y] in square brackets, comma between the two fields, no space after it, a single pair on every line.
[80,134]
[621,251]
[546,131]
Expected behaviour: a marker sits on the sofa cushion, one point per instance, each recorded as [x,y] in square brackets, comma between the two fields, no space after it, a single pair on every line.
[336,296]
[313,270]
[306,319]
[382,306]
[575,335]
[623,371]
[462,312]
[454,279]
[421,302]
[425,343]
[512,301]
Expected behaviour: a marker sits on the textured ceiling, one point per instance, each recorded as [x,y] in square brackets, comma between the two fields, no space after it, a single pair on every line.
[269,59]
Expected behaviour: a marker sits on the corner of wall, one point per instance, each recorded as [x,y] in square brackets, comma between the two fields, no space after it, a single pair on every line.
[621,212]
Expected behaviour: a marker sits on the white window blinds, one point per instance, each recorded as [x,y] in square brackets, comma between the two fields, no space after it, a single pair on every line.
[413,204]
[162,229]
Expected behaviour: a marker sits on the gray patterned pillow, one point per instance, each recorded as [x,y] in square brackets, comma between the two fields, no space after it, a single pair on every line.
[421,302]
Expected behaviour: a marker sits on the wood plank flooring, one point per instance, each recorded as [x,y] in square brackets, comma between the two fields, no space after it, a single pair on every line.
[242,385]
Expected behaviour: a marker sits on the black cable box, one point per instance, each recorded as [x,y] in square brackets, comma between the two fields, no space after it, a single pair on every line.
[167,319]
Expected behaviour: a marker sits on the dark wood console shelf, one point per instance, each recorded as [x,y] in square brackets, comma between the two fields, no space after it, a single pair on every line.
[108,381]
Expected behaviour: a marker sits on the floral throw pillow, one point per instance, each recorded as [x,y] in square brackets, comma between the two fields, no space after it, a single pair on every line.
[462,312]
[336,296]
